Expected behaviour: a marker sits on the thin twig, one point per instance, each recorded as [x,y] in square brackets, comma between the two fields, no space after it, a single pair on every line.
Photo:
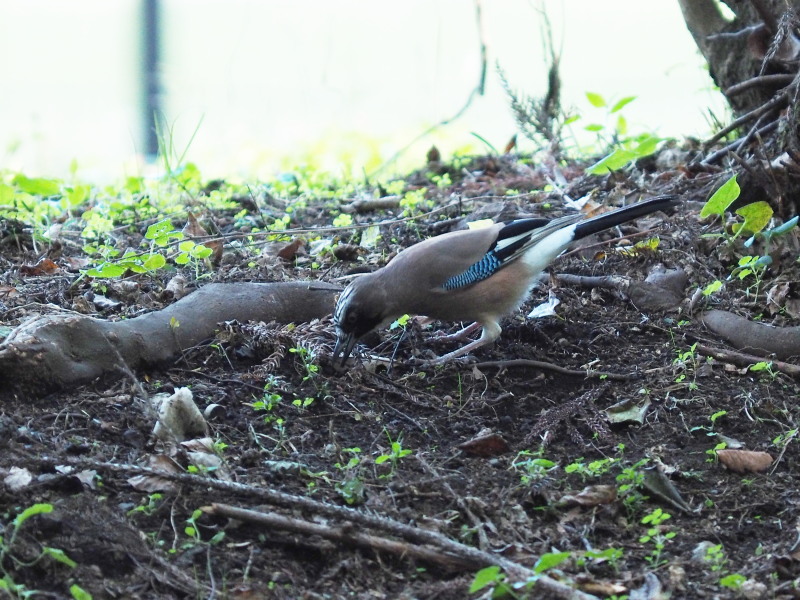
[736,144]
[779,99]
[537,364]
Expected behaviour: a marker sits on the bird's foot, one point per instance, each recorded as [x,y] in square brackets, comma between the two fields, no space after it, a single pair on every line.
[438,361]
[458,336]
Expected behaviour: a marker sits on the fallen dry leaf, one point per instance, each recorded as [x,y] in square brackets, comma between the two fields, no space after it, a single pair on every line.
[745,461]
[192,228]
[485,445]
[43,267]
[592,495]
[289,251]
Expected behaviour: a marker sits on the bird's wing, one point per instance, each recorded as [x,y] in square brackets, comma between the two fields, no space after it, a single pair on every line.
[511,242]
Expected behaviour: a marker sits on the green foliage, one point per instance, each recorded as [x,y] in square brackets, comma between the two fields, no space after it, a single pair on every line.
[593,469]
[395,454]
[10,564]
[712,287]
[612,133]
[657,535]
[532,466]
[192,531]
[414,202]
[756,216]
[352,486]
[721,199]
[629,481]
[687,361]
[149,505]
[625,153]
[734,581]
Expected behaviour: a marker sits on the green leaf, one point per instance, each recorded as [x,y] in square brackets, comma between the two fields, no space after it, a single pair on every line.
[6,194]
[647,146]
[33,510]
[59,555]
[201,251]
[186,246]
[154,262]
[712,287]
[756,216]
[595,100]
[37,186]
[78,593]
[218,537]
[622,104]
[370,236]
[78,195]
[594,127]
[157,230]
[721,199]
[485,577]
[734,581]
[107,270]
[622,126]
[614,161]
[182,259]
[549,560]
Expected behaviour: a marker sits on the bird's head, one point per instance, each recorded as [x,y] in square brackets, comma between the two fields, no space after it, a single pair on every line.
[360,309]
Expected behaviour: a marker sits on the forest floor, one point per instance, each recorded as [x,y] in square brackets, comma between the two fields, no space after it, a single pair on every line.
[516,459]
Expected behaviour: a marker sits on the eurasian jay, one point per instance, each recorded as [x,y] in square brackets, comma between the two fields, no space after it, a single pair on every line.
[478,275]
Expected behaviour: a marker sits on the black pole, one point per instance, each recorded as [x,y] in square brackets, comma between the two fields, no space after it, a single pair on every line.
[151,85]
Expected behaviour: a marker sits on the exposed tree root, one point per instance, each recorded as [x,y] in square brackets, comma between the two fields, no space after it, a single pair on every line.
[52,352]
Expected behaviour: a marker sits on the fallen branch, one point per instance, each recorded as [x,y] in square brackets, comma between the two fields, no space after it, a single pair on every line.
[344,534]
[746,360]
[537,364]
[59,351]
[414,534]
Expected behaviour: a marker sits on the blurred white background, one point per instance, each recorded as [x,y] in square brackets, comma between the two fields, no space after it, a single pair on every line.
[270,82]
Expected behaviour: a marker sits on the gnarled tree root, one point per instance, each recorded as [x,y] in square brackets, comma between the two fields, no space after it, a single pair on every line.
[53,352]
[754,337]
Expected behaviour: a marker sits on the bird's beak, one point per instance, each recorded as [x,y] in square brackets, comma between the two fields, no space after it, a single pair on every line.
[344,346]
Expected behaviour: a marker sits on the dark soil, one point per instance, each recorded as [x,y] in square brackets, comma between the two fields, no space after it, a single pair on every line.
[494,496]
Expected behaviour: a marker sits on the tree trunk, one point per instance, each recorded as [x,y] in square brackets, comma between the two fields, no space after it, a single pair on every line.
[753,57]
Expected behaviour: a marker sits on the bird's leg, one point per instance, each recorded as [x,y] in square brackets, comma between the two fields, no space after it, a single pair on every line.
[458,336]
[491,331]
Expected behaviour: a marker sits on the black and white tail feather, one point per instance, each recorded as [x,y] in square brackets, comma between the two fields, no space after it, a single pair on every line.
[549,237]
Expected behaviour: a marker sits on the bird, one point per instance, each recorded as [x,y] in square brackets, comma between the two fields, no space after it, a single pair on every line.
[474,275]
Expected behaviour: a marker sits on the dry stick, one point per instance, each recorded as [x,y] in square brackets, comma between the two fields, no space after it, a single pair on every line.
[780,98]
[761,80]
[609,282]
[415,534]
[745,360]
[735,145]
[537,364]
[344,534]
[479,525]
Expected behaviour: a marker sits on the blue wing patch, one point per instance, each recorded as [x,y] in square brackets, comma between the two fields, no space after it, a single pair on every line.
[479,271]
